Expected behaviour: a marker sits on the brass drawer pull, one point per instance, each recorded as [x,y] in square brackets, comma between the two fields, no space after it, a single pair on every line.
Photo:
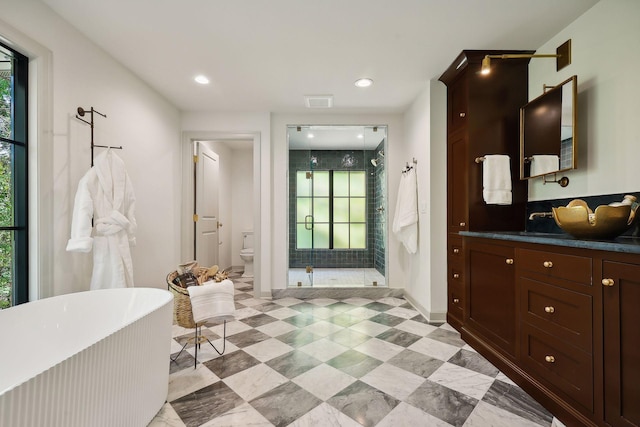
[549,359]
[509,261]
[547,264]
[462,224]
[456,276]
[463,115]
[608,282]
[549,309]
[456,250]
[456,300]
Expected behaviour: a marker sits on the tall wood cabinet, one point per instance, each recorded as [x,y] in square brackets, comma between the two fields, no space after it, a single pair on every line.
[482,118]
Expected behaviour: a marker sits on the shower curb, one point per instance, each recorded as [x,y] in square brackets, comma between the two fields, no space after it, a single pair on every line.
[337,293]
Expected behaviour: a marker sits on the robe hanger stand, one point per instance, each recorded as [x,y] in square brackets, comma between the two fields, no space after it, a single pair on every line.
[80,115]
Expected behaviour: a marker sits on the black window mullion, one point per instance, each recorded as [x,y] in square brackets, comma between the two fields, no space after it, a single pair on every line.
[11,141]
[21,204]
[331,209]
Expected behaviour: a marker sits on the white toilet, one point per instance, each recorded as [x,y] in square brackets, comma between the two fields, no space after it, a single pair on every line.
[247,253]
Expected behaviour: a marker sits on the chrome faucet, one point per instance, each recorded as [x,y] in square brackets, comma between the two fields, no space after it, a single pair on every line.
[540,215]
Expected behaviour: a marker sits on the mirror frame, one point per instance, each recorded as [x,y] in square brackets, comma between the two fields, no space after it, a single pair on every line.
[574,134]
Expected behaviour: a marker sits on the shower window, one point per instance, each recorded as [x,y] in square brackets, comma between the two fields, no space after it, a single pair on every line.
[331,210]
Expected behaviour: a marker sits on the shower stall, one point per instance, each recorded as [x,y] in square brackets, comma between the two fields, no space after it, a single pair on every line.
[337,206]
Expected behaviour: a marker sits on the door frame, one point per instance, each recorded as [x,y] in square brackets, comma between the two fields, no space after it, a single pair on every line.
[304,123]
[186,221]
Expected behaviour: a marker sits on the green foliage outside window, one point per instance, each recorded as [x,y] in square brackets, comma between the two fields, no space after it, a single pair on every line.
[6,193]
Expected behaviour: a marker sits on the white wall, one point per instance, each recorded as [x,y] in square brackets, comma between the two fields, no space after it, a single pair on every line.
[438,199]
[138,119]
[394,162]
[425,139]
[242,206]
[606,59]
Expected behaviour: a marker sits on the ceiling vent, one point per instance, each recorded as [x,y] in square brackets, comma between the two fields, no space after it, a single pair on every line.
[318,101]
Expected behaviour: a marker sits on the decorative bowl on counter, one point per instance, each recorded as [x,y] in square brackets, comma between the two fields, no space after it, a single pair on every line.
[607,222]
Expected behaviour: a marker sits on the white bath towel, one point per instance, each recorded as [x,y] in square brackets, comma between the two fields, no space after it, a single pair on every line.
[212,300]
[405,220]
[496,179]
[542,164]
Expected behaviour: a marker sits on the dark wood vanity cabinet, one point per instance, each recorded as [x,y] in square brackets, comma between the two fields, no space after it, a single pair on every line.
[482,118]
[621,316]
[556,320]
[562,322]
[491,294]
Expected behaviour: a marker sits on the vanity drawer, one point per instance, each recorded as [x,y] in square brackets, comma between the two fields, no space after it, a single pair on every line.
[455,272]
[565,367]
[454,249]
[561,312]
[561,266]
[455,299]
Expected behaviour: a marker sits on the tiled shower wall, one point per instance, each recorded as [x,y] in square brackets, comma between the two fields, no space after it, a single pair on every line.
[379,242]
[373,256]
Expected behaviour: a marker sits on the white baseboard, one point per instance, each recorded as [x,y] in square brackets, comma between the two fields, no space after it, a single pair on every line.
[432,317]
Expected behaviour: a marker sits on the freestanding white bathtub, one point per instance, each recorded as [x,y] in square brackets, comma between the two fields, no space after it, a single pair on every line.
[96,358]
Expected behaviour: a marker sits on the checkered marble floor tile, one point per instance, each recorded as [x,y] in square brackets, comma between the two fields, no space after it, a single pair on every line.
[325,362]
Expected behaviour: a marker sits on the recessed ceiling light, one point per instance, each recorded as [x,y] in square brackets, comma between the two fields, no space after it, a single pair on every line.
[360,136]
[310,135]
[366,82]
[203,80]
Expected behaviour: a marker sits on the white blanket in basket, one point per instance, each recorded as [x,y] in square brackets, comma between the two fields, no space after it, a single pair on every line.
[212,300]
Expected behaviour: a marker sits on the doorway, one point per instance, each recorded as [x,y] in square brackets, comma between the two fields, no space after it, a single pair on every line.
[239,173]
[337,206]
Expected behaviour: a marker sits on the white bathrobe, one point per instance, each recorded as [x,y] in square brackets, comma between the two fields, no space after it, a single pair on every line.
[106,195]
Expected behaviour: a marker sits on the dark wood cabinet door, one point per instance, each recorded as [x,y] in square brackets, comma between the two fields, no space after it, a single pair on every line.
[457,104]
[491,294]
[457,212]
[621,305]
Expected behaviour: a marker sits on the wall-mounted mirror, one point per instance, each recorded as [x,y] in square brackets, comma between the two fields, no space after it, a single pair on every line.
[548,131]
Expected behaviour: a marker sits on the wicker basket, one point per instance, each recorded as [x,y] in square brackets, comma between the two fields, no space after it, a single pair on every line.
[182,314]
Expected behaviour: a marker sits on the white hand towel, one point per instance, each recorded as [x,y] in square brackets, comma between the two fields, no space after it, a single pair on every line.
[496,179]
[405,220]
[542,164]
[212,300]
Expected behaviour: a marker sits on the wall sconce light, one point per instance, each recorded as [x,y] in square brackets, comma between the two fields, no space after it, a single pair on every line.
[562,55]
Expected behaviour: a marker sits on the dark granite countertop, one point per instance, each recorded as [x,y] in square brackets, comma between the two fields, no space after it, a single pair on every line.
[625,244]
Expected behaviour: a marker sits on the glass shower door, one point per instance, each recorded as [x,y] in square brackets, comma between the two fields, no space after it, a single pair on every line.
[375,140]
[337,207]
[312,217]
[308,207]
